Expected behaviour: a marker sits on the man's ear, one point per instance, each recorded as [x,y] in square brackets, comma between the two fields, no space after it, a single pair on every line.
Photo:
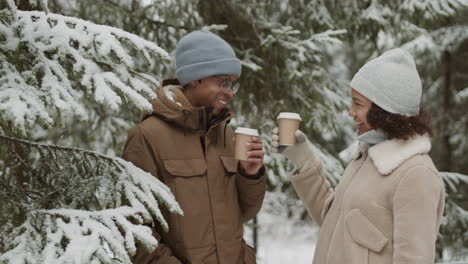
[193,84]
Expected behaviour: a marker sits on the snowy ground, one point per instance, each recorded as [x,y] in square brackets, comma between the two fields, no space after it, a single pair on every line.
[282,239]
[285,250]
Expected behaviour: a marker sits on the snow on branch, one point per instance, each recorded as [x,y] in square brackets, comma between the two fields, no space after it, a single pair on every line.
[377,13]
[463,93]
[454,233]
[452,180]
[74,236]
[67,204]
[20,102]
[436,42]
[434,8]
[68,62]
[303,49]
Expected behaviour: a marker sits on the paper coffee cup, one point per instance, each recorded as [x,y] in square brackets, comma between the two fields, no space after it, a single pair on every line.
[288,124]
[243,136]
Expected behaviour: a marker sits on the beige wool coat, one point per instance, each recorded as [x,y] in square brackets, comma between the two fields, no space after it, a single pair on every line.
[386,209]
[193,155]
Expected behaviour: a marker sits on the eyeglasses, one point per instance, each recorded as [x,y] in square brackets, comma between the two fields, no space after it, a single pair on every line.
[229,85]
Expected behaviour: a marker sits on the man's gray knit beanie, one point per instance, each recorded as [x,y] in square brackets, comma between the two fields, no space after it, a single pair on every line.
[201,54]
[392,82]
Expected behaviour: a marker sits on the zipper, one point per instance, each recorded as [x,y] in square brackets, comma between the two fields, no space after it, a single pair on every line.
[203,145]
[186,117]
[201,121]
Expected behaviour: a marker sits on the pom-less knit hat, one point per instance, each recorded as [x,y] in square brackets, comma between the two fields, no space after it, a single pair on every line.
[391,81]
[201,54]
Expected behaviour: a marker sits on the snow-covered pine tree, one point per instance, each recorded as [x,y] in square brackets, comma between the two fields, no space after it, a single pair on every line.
[68,205]
[62,204]
[453,237]
[107,121]
[70,62]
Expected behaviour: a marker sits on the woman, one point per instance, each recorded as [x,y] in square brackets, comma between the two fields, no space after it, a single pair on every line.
[388,205]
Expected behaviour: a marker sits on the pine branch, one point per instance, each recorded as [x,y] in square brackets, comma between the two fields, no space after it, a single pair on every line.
[434,9]
[53,65]
[157,23]
[452,180]
[69,197]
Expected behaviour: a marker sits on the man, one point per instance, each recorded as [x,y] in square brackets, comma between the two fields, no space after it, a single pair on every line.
[186,143]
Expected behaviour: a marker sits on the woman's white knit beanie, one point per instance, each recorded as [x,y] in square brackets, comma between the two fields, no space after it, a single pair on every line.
[391,81]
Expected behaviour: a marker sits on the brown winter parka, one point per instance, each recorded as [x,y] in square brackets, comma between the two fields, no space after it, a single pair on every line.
[193,154]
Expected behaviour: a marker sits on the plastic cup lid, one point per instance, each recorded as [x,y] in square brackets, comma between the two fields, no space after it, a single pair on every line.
[247,131]
[289,115]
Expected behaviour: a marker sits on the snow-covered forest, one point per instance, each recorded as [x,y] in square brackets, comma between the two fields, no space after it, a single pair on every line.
[75,76]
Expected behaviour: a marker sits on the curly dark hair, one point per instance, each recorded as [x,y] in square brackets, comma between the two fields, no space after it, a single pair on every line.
[399,126]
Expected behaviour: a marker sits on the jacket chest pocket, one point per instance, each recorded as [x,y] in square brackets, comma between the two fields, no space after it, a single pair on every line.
[229,164]
[186,176]
[366,237]
[188,181]
[185,167]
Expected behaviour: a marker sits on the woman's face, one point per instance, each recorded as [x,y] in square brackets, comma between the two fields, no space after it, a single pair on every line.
[358,112]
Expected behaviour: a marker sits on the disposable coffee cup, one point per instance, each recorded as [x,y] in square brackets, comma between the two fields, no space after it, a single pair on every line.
[243,136]
[288,124]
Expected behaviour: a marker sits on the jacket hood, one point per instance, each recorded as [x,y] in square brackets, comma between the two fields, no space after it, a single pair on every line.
[172,106]
[390,154]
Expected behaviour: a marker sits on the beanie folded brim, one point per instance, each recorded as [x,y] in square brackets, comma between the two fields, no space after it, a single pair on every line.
[202,70]
[372,93]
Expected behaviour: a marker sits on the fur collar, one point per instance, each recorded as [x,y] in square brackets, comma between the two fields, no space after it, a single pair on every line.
[176,95]
[390,154]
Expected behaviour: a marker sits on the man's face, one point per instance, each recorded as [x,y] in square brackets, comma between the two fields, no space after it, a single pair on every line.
[359,109]
[210,92]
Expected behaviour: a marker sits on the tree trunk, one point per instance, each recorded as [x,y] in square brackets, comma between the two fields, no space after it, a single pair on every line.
[444,127]
[446,108]
[26,5]
[255,234]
